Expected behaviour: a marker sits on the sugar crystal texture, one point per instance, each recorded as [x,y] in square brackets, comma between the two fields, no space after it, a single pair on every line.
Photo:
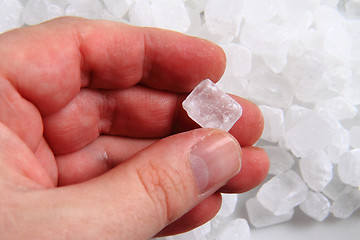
[10,12]
[237,228]
[274,127]
[283,192]
[268,88]
[224,17]
[355,136]
[310,134]
[336,187]
[294,114]
[238,58]
[210,107]
[228,205]
[316,170]
[349,167]
[316,205]
[118,8]
[346,204]
[280,159]
[262,217]
[337,107]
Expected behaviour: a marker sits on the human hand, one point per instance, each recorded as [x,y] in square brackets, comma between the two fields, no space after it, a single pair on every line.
[87,110]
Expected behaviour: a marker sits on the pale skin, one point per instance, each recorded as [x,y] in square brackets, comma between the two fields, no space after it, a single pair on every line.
[94,143]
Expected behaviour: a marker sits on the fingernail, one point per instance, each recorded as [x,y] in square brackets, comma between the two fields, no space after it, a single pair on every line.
[214,160]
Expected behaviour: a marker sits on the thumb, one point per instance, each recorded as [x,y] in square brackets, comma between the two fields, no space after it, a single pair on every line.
[146,193]
[176,173]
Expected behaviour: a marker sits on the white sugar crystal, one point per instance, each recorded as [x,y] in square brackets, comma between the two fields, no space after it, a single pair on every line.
[266,87]
[352,9]
[195,234]
[118,8]
[349,167]
[237,228]
[170,14]
[340,140]
[338,43]
[260,11]
[85,8]
[336,187]
[280,159]
[140,13]
[355,136]
[352,92]
[228,205]
[238,58]
[331,3]
[265,39]
[224,17]
[294,114]
[259,216]
[310,134]
[346,204]
[316,170]
[288,8]
[234,85]
[327,17]
[274,127]
[210,107]
[337,107]
[308,74]
[10,12]
[37,11]
[283,192]
[316,205]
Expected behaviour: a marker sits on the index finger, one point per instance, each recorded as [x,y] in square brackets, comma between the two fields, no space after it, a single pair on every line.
[55,59]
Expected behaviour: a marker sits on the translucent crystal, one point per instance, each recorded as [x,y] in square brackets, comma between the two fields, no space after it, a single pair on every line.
[274,127]
[85,8]
[346,204]
[265,39]
[170,14]
[210,107]
[224,17]
[228,205]
[316,170]
[282,193]
[237,228]
[355,136]
[266,87]
[238,58]
[259,216]
[260,11]
[349,167]
[310,134]
[37,11]
[337,107]
[280,159]
[294,114]
[234,85]
[316,205]
[336,187]
[10,12]
[118,8]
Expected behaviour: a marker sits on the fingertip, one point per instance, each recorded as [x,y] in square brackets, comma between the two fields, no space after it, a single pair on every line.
[254,169]
[248,129]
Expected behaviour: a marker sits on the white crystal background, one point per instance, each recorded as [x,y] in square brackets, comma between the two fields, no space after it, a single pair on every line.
[300,61]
